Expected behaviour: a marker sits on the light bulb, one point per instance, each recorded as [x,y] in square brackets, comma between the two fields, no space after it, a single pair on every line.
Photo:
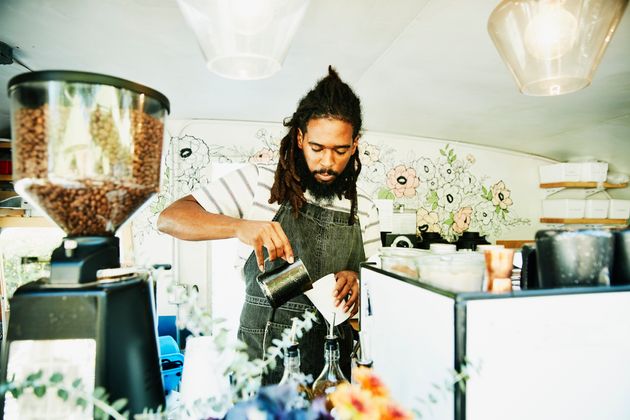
[250,17]
[551,33]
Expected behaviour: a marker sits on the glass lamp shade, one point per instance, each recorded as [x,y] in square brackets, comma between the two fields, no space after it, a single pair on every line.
[244,39]
[553,47]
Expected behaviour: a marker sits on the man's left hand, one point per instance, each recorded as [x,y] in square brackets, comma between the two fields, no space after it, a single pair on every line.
[347,291]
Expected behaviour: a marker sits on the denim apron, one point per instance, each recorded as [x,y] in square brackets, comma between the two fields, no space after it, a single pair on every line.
[326,244]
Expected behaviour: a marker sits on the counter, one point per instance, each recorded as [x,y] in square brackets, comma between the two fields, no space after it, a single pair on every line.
[532,354]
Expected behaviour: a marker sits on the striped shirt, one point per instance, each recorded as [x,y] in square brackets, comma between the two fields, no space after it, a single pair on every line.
[245,193]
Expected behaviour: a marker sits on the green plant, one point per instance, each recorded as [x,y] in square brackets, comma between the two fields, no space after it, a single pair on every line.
[72,391]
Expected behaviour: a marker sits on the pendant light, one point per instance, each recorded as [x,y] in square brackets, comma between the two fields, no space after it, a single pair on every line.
[244,39]
[553,47]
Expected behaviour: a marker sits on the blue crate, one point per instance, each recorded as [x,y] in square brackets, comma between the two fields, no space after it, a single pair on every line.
[171,362]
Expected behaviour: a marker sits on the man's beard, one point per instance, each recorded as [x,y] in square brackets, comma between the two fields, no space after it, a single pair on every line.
[320,190]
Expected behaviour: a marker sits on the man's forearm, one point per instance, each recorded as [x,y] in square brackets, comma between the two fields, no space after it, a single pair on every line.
[186,219]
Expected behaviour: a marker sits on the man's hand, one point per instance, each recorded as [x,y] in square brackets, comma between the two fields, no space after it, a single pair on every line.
[347,291]
[268,234]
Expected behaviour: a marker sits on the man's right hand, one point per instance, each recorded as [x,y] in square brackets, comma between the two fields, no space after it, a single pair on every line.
[268,234]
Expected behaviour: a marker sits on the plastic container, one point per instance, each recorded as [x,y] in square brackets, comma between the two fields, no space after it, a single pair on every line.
[459,272]
[565,208]
[171,361]
[402,261]
[619,209]
[596,209]
[560,172]
[593,171]
[87,147]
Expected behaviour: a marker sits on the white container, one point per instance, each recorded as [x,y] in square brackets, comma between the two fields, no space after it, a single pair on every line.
[596,209]
[560,172]
[403,261]
[619,209]
[442,248]
[460,272]
[593,171]
[564,208]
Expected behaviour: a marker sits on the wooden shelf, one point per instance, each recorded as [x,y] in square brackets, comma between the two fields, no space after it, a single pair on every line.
[606,185]
[583,221]
[6,222]
[5,144]
[515,243]
[6,177]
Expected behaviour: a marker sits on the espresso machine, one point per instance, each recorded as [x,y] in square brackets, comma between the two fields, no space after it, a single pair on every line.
[87,152]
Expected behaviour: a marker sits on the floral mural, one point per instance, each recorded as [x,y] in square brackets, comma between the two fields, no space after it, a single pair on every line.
[448,196]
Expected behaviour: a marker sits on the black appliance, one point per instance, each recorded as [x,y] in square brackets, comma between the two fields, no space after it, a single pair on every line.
[470,240]
[621,262]
[567,258]
[87,152]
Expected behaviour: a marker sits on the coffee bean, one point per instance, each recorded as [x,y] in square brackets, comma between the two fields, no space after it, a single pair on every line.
[52,165]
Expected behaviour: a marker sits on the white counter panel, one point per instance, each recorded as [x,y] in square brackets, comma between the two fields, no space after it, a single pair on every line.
[549,357]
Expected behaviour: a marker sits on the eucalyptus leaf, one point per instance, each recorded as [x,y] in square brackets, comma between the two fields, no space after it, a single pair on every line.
[39,391]
[63,394]
[55,378]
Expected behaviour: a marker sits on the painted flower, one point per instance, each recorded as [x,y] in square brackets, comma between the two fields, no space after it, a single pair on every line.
[445,171]
[501,195]
[264,155]
[458,167]
[191,154]
[468,182]
[484,213]
[433,184]
[427,221]
[449,197]
[426,169]
[461,220]
[402,181]
[374,173]
[368,153]
[471,158]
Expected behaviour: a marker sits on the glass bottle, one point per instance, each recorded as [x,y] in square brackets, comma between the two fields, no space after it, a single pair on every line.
[331,375]
[293,375]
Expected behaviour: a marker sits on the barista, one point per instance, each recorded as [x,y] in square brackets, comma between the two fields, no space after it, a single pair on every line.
[308,205]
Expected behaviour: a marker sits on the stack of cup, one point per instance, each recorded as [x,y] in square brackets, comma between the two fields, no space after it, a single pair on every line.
[499,264]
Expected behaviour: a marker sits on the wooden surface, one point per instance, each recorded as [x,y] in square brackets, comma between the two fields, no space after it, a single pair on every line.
[5,144]
[9,221]
[515,243]
[584,221]
[6,177]
[581,185]
[11,211]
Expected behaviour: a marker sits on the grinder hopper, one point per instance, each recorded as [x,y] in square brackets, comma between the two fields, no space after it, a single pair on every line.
[87,152]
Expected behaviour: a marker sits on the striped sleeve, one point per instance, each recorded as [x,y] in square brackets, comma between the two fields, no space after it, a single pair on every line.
[370,227]
[231,195]
[372,232]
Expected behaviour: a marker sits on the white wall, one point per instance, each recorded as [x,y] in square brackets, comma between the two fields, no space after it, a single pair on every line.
[194,144]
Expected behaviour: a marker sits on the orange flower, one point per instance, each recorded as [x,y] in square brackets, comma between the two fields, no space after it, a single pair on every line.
[391,411]
[352,402]
[367,380]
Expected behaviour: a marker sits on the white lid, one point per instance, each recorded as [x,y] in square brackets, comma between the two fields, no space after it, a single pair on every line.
[485,247]
[442,248]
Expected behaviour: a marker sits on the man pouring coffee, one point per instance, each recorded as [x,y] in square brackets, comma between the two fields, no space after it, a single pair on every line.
[307,205]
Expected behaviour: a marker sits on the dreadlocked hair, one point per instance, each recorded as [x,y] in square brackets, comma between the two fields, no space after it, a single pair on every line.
[330,98]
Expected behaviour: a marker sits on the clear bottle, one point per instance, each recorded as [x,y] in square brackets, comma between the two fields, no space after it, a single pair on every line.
[293,375]
[331,375]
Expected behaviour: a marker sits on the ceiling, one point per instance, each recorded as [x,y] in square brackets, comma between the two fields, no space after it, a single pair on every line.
[421,67]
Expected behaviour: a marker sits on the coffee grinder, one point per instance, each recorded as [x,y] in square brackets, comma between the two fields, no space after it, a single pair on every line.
[87,152]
